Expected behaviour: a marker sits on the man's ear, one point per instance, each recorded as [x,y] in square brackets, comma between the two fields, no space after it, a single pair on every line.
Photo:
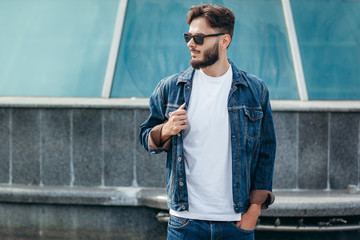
[225,41]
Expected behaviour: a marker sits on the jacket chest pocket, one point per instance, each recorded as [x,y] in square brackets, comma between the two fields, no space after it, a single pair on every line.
[253,119]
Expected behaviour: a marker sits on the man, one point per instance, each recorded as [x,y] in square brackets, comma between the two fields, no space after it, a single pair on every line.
[215,123]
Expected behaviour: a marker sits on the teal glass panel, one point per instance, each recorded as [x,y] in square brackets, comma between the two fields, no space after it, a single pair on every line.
[329,40]
[55,48]
[152,45]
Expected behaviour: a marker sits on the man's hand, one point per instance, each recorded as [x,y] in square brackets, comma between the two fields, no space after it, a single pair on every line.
[177,121]
[249,219]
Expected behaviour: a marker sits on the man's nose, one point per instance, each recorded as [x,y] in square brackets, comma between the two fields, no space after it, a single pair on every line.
[191,43]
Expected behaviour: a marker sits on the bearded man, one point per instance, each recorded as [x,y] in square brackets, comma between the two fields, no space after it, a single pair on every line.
[215,123]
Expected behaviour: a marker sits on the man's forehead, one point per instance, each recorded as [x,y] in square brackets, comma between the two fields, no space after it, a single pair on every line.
[200,26]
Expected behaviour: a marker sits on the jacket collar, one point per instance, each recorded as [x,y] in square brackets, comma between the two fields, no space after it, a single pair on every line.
[238,77]
[186,76]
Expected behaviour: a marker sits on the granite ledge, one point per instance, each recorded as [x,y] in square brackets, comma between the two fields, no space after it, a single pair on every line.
[311,203]
[307,203]
[143,103]
[73,102]
[76,195]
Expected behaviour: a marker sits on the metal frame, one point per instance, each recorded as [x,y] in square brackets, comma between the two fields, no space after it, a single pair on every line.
[164,218]
[295,52]
[351,227]
[143,103]
[115,44]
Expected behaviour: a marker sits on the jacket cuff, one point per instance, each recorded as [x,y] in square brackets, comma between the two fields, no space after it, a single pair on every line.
[262,197]
[154,141]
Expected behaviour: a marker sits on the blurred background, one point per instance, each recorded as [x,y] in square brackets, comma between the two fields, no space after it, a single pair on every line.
[75,77]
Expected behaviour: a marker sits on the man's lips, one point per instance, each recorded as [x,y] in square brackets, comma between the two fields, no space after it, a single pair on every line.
[194,52]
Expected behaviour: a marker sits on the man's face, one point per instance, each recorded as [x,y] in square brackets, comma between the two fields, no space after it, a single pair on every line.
[208,53]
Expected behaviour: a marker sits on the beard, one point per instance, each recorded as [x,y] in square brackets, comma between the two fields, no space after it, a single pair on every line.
[210,57]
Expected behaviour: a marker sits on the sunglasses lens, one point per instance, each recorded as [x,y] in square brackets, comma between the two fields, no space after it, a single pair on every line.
[197,39]
[187,37]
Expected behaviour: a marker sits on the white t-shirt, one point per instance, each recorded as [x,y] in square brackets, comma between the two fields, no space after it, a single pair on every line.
[207,150]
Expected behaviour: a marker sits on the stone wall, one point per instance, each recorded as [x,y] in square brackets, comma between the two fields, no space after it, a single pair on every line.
[74,169]
[71,146]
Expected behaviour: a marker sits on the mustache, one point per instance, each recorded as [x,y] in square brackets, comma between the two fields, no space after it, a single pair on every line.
[194,50]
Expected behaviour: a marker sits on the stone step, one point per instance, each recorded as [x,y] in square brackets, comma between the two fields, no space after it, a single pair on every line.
[302,203]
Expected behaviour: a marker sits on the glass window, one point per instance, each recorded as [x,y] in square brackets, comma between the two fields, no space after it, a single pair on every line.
[261,45]
[152,46]
[329,41]
[55,48]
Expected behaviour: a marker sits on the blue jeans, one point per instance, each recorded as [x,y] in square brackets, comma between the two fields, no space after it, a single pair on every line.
[187,229]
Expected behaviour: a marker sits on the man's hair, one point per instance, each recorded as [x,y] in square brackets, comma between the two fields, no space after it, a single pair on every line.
[216,16]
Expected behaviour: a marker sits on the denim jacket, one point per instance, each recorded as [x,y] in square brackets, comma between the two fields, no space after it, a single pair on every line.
[252,138]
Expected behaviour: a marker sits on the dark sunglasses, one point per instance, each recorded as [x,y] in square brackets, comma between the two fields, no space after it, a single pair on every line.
[199,39]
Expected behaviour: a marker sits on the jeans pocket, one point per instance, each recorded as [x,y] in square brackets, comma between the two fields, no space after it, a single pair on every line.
[241,229]
[178,222]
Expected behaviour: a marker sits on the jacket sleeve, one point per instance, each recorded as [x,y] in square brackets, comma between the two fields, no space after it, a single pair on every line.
[154,139]
[261,187]
[150,130]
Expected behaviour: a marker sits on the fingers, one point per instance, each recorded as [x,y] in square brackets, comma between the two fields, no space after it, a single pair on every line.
[178,112]
[177,120]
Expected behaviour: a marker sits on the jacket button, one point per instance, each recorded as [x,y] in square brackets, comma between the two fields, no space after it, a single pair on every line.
[179,158]
[183,207]
[181,184]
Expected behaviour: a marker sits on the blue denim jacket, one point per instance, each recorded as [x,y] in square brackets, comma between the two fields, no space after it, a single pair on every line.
[252,138]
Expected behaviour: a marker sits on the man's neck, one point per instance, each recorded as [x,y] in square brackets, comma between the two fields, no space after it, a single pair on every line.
[217,69]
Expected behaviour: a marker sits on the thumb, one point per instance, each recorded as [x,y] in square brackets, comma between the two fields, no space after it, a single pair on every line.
[182,106]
